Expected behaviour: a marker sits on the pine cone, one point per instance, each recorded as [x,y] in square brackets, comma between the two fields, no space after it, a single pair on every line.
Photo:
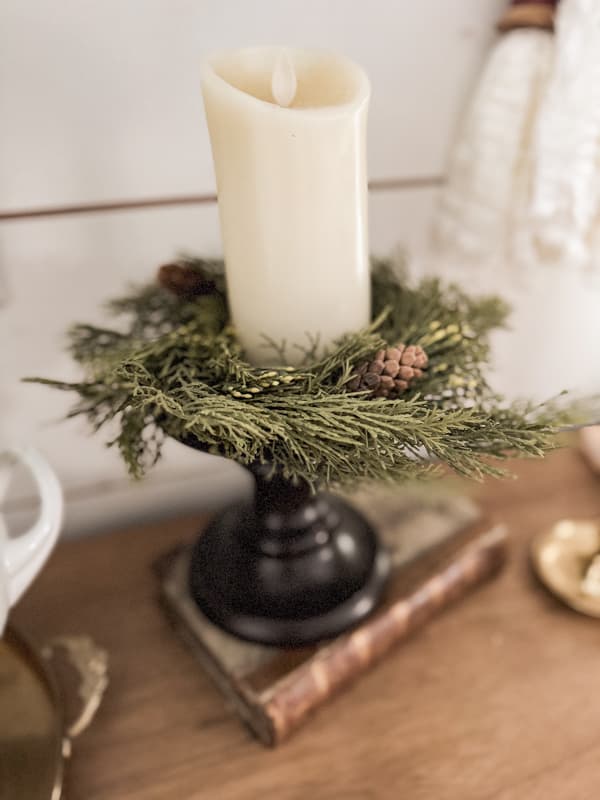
[184,281]
[391,372]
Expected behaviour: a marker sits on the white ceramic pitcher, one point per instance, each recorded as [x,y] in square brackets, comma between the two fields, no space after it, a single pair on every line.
[22,557]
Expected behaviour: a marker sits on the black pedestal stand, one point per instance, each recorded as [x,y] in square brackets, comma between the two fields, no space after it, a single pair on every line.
[290,568]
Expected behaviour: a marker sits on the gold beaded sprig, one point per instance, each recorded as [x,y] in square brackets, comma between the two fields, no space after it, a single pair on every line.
[263,381]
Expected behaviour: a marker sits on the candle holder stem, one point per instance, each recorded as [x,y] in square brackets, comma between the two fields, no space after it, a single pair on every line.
[288,568]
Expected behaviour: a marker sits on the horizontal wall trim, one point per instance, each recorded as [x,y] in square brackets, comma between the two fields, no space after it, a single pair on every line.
[104,487]
[382,185]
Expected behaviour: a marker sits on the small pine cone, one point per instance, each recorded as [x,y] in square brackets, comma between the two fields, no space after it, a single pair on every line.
[184,281]
[391,372]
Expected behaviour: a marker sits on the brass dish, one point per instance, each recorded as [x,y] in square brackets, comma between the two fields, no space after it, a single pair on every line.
[35,736]
[566,558]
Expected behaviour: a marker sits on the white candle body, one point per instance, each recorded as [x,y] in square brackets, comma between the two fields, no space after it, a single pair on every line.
[292,190]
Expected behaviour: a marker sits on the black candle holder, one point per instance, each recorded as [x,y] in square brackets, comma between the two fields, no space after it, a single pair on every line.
[294,566]
[290,568]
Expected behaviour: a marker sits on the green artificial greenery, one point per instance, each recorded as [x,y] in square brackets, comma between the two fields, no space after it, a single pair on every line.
[175,368]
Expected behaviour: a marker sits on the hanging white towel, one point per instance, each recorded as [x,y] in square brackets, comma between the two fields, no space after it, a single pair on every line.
[489,169]
[563,225]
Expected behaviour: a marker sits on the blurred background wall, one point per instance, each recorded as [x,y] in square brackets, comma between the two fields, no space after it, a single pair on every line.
[100,104]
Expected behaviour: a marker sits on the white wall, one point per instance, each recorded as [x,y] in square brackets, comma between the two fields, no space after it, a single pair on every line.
[100,102]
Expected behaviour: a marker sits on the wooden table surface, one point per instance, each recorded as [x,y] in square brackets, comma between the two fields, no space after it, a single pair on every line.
[496,699]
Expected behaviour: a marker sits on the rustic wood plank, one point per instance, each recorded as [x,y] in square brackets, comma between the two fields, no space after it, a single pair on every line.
[493,700]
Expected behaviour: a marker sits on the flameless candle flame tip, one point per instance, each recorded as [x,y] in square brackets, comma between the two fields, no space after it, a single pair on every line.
[284,83]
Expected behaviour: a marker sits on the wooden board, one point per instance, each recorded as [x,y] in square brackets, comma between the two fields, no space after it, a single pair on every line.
[495,700]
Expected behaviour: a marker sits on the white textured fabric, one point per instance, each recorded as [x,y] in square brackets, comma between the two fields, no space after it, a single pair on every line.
[487,223]
[564,224]
[490,165]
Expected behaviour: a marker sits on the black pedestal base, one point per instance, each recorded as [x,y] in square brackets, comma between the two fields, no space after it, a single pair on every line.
[289,570]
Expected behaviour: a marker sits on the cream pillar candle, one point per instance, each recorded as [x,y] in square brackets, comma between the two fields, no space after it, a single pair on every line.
[288,134]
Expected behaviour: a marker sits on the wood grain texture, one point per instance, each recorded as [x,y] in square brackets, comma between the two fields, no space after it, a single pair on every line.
[493,701]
